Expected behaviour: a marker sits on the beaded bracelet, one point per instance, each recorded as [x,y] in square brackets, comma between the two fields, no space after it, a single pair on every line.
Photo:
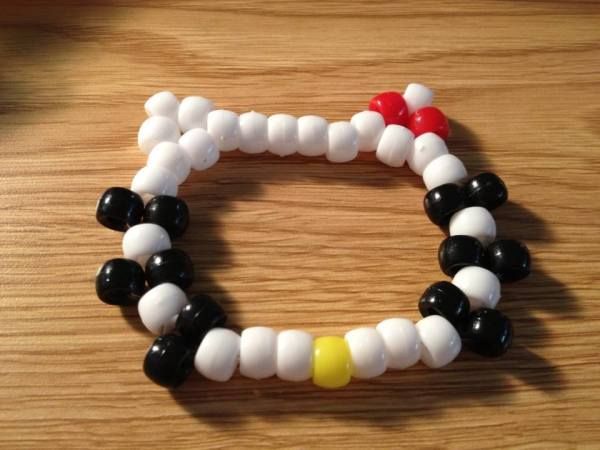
[399,128]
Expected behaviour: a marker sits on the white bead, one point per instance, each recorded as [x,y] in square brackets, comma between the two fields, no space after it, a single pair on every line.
[162,104]
[154,181]
[442,170]
[144,239]
[367,351]
[294,355]
[313,135]
[258,352]
[200,148]
[402,343]
[282,134]
[440,342]
[369,125]
[426,148]
[172,157]
[474,221]
[395,144]
[159,307]
[224,127]
[193,112]
[417,96]
[481,286]
[218,354]
[343,142]
[253,132]
[156,129]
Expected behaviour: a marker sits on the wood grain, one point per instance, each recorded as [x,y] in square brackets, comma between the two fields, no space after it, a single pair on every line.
[295,242]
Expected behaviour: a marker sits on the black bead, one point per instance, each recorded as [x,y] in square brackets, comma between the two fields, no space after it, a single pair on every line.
[488,332]
[198,317]
[170,266]
[459,251]
[446,300]
[120,282]
[169,360]
[119,209]
[171,213]
[509,260]
[487,190]
[443,201]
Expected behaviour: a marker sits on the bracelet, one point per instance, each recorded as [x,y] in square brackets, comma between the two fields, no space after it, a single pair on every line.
[399,128]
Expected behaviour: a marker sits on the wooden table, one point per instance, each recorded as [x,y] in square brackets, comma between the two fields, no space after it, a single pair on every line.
[295,242]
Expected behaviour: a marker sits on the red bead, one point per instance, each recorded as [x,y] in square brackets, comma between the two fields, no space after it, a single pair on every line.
[429,120]
[392,107]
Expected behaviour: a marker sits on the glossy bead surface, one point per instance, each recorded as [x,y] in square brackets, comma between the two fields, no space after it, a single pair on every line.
[392,107]
[489,332]
[168,361]
[369,125]
[172,157]
[332,362]
[120,281]
[426,148]
[171,213]
[429,120]
[343,142]
[142,240]
[440,342]
[509,260]
[198,316]
[254,132]
[313,135]
[474,221]
[224,127]
[162,104]
[218,354]
[282,134]
[258,352]
[294,355]
[154,181]
[457,252]
[158,308]
[487,190]
[156,129]
[170,266]
[200,148]
[401,341]
[442,170]
[442,202]
[193,112]
[367,351]
[481,287]
[417,96]
[395,144]
[446,300]
[119,208]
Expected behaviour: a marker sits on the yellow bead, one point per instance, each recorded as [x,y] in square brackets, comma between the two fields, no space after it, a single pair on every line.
[332,363]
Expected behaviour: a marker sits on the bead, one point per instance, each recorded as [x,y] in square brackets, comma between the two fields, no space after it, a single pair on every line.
[140,241]
[401,341]
[254,132]
[480,286]
[426,148]
[193,112]
[442,170]
[294,355]
[489,332]
[369,126]
[224,127]
[456,252]
[198,317]
[429,119]
[119,208]
[442,202]
[170,266]
[343,142]
[487,190]
[171,213]
[162,104]
[156,129]
[417,96]
[169,361]
[120,282]
[509,260]
[218,354]
[367,351]
[474,221]
[313,135]
[446,300]
[170,156]
[154,181]
[332,362]
[282,134]
[440,342]
[158,308]
[200,148]
[258,351]
[395,144]
[392,107]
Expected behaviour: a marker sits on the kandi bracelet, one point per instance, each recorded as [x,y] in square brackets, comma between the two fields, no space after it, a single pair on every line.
[180,136]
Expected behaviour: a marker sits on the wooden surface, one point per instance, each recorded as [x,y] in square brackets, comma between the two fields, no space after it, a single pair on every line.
[294,242]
